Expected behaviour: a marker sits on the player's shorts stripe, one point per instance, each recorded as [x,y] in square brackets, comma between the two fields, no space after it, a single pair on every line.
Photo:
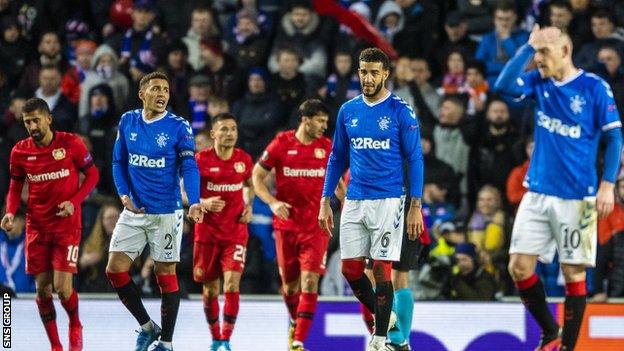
[87,166]
[612,125]
[17,178]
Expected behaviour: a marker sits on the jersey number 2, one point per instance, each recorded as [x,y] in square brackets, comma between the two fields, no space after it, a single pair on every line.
[239,254]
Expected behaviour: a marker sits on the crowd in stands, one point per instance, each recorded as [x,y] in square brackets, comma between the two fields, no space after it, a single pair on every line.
[259,59]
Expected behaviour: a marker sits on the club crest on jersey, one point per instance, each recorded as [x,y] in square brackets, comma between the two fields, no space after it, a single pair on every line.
[319,153]
[58,154]
[576,104]
[161,139]
[239,167]
[384,122]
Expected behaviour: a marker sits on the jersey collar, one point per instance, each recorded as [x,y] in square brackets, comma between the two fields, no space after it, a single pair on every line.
[378,102]
[152,120]
[571,78]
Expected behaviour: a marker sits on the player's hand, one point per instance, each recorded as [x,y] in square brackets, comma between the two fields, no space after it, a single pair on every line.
[195,213]
[66,209]
[414,223]
[246,215]
[212,204]
[326,217]
[543,36]
[126,201]
[7,222]
[600,297]
[605,199]
[281,209]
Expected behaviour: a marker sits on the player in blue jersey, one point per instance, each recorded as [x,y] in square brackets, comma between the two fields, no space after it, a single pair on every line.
[573,111]
[376,132]
[153,148]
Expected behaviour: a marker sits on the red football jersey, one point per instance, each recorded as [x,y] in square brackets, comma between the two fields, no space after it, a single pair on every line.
[299,176]
[223,178]
[52,173]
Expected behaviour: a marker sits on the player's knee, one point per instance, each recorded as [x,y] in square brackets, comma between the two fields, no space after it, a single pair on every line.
[231,286]
[309,282]
[519,270]
[63,290]
[290,288]
[573,273]
[44,291]
[352,269]
[382,271]
[211,288]
[118,279]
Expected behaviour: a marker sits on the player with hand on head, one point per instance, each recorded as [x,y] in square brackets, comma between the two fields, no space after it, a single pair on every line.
[574,110]
[220,246]
[153,148]
[299,158]
[376,132]
[50,162]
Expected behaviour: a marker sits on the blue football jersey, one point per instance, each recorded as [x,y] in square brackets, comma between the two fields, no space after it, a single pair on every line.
[148,158]
[570,117]
[376,139]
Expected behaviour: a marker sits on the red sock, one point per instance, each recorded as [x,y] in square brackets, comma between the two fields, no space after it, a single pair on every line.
[211,310]
[368,317]
[292,302]
[305,314]
[71,307]
[230,312]
[48,317]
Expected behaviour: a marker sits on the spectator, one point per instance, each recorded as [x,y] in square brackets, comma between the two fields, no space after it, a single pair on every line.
[197,111]
[346,41]
[439,171]
[12,266]
[561,15]
[448,235]
[49,50]
[499,45]
[610,260]
[226,78]
[65,114]
[476,88]
[15,50]
[258,114]
[605,34]
[515,182]
[179,72]
[13,119]
[100,125]
[422,75]
[94,254]
[203,26]
[470,281]
[436,209]
[202,140]
[487,229]
[405,87]
[342,85]
[389,19]
[454,77]
[417,37]
[301,28]
[456,39]
[217,105]
[76,73]
[249,45]
[492,154]
[478,14]
[610,69]
[289,84]
[104,69]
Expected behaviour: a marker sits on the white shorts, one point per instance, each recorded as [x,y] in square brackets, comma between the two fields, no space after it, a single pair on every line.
[163,233]
[545,224]
[372,228]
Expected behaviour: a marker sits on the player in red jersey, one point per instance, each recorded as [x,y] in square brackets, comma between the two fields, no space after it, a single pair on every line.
[50,161]
[221,240]
[299,158]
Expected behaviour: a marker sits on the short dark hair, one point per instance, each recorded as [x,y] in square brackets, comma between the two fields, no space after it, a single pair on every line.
[603,13]
[287,50]
[222,117]
[306,4]
[36,104]
[456,99]
[154,75]
[505,6]
[52,67]
[562,4]
[375,55]
[476,64]
[312,107]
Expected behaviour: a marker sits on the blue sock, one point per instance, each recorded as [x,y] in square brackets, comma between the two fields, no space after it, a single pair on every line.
[395,335]
[403,306]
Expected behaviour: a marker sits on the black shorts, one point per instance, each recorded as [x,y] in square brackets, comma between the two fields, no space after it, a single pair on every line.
[410,254]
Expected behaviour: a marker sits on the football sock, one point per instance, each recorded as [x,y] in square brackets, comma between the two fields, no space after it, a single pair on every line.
[71,307]
[383,307]
[574,308]
[305,315]
[211,310]
[170,303]
[47,312]
[129,295]
[403,306]
[230,312]
[369,318]
[292,302]
[534,299]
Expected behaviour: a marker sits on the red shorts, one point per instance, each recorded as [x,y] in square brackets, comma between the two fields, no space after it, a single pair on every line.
[297,252]
[211,259]
[52,251]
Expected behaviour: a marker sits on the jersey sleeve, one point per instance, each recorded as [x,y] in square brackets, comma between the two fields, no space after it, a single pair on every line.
[16,183]
[411,149]
[605,108]
[338,156]
[185,148]
[120,161]
[512,81]
[80,155]
[15,167]
[248,166]
[270,156]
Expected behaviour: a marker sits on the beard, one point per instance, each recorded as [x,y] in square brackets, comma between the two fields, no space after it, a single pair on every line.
[37,136]
[375,92]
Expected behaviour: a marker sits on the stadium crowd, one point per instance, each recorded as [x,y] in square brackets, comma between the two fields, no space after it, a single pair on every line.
[259,59]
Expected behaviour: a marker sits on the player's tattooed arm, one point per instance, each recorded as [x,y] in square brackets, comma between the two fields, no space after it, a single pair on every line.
[415,203]
[414,219]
